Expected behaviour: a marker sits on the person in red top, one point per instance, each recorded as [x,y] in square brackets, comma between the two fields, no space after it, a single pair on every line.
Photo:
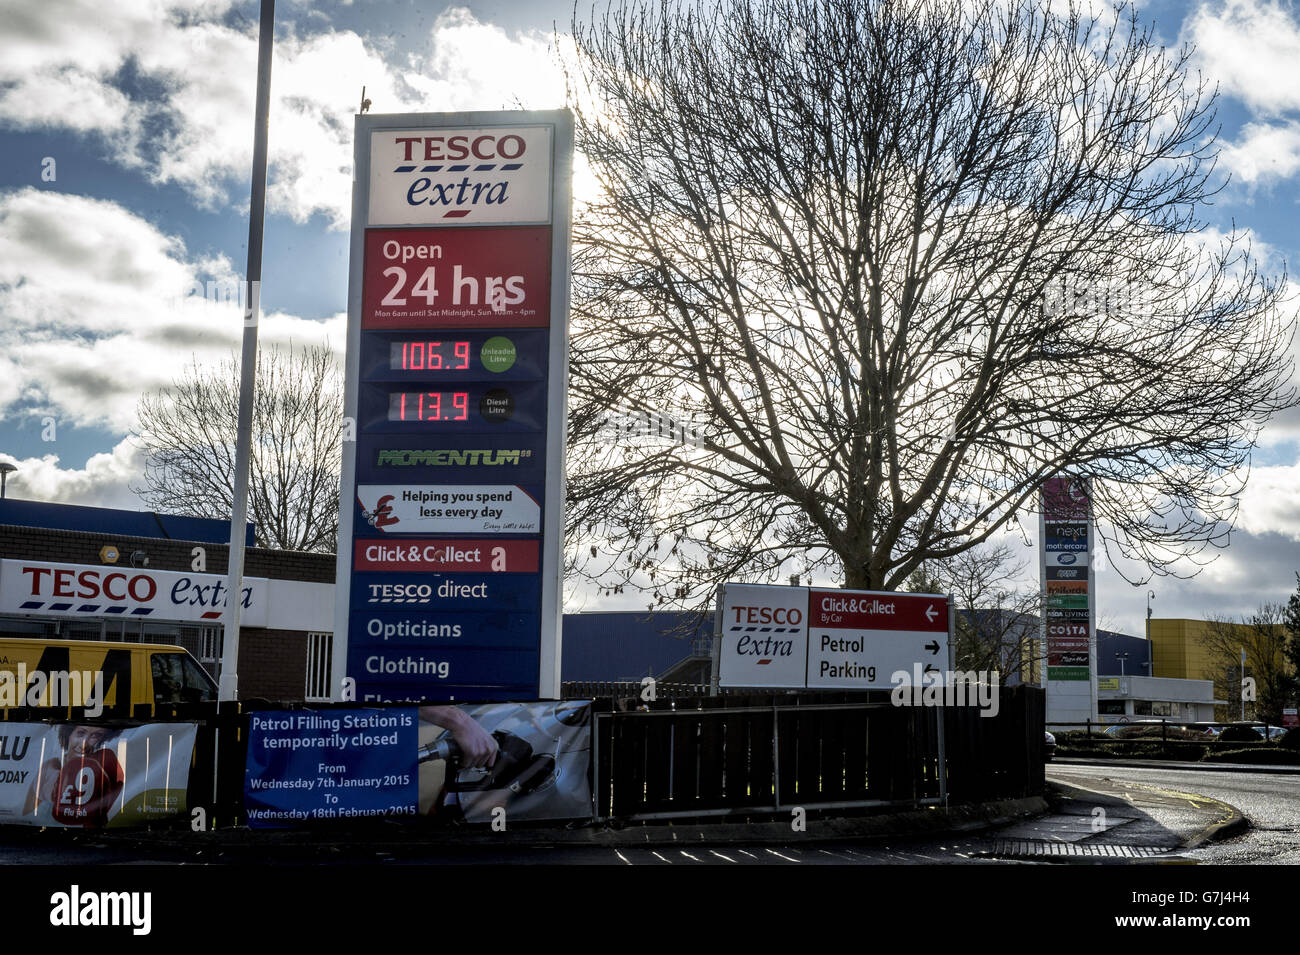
[82,787]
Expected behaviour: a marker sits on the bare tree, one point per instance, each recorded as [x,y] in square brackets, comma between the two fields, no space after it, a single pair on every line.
[1262,638]
[188,435]
[897,262]
[996,626]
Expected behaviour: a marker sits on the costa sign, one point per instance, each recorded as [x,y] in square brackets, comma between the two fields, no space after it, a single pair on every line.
[79,590]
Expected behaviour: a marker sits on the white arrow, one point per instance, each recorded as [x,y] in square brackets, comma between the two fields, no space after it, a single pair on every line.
[930,613]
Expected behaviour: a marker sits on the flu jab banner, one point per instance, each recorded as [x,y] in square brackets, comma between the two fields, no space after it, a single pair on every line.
[472,763]
[88,777]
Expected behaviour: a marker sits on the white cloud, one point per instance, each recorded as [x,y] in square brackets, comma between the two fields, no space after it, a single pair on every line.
[1251,48]
[96,309]
[195,125]
[104,482]
[1271,502]
[1264,152]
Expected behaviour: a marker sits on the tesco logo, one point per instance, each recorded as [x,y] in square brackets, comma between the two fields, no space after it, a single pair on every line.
[781,616]
[486,147]
[89,584]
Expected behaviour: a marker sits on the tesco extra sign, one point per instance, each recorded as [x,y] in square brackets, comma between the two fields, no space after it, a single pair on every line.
[80,590]
[763,636]
[453,176]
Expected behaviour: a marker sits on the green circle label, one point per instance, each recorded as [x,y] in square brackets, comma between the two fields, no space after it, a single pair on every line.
[498,353]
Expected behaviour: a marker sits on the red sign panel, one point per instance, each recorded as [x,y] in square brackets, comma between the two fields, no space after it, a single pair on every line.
[457,278]
[426,556]
[838,608]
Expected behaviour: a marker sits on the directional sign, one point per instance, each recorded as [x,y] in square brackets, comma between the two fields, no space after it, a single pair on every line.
[859,640]
[771,636]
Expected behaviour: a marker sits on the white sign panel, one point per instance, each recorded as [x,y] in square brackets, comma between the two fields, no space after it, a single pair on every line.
[449,509]
[84,590]
[764,636]
[859,641]
[460,176]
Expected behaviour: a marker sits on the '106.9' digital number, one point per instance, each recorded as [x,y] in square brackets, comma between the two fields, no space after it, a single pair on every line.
[429,356]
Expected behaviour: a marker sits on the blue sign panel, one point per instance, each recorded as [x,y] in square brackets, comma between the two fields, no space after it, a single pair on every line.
[423,629]
[330,764]
[445,592]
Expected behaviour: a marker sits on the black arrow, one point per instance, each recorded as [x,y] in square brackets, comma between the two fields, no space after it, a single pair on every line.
[933,646]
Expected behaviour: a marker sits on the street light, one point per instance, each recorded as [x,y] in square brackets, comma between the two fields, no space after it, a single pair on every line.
[6,469]
[1121,657]
[1151,660]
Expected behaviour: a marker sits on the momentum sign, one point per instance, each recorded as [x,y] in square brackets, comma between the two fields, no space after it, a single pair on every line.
[450,521]
[797,637]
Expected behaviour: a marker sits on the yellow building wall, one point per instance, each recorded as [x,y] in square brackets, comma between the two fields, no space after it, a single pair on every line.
[1178,649]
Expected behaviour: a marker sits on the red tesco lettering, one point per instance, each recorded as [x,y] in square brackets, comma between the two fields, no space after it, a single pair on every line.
[782,616]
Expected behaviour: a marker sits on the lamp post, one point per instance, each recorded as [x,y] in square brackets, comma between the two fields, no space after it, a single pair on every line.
[1121,657]
[1151,660]
[6,469]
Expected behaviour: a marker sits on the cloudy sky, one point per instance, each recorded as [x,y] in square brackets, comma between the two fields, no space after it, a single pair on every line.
[124,167]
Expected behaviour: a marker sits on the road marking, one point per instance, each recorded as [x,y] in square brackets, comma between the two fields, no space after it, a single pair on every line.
[721,856]
[779,856]
[621,856]
[660,858]
[688,855]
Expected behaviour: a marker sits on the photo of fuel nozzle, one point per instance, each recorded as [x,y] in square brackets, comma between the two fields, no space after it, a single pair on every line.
[517,767]
[539,769]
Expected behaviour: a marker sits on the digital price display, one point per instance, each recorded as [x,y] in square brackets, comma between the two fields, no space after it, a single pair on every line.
[428,356]
[428,406]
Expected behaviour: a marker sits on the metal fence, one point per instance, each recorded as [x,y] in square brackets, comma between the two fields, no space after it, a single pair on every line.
[708,757]
[747,755]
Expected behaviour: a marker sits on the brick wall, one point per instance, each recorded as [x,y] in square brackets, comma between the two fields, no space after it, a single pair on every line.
[79,547]
[272,664]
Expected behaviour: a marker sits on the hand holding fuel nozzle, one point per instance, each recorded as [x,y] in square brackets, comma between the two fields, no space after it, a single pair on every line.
[475,746]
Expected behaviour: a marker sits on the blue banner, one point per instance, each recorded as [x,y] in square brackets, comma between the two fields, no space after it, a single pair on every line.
[330,764]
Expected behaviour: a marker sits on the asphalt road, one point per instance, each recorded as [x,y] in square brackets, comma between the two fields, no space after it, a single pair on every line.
[1271,802]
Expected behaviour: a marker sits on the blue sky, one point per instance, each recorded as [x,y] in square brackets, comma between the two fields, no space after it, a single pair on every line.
[145,109]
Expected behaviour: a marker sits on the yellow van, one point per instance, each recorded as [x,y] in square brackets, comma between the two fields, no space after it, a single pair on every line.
[98,675]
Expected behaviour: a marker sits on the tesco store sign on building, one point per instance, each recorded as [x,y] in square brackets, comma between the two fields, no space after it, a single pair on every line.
[801,637]
[80,590]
